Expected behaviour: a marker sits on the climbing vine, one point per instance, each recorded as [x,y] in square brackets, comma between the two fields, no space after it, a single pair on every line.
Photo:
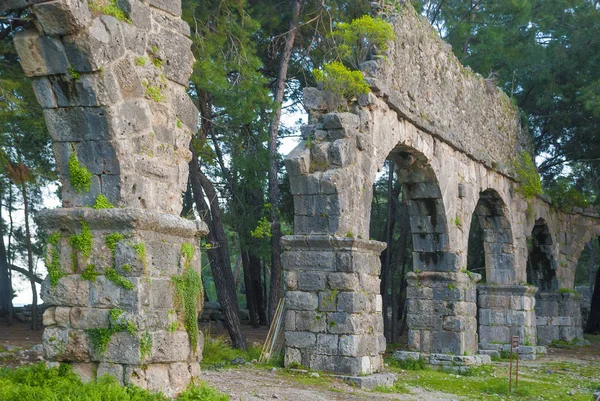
[81,242]
[79,176]
[100,338]
[90,273]
[52,260]
[113,275]
[189,294]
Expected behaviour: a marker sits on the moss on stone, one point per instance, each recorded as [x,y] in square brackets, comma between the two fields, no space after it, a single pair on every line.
[188,251]
[102,202]
[141,61]
[155,93]
[79,176]
[112,240]
[145,345]
[140,250]
[126,267]
[52,262]
[119,280]
[188,298]
[100,337]
[90,273]
[81,243]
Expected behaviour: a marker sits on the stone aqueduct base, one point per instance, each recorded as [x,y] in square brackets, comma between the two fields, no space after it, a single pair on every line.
[156,354]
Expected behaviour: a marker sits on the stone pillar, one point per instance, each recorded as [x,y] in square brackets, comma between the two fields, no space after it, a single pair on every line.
[442,313]
[505,311]
[334,316]
[558,317]
[123,281]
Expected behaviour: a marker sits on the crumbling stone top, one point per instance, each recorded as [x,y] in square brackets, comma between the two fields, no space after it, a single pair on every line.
[110,219]
[422,80]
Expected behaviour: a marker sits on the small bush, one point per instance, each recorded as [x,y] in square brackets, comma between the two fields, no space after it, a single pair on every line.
[530,182]
[340,81]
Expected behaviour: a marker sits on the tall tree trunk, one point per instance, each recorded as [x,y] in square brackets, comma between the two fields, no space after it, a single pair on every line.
[400,293]
[257,284]
[218,254]
[34,308]
[250,292]
[275,290]
[6,306]
[593,322]
[387,256]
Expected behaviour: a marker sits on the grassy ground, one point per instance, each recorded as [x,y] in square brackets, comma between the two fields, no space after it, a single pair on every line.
[542,381]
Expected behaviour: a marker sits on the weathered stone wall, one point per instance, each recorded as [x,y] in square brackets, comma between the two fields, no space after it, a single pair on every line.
[558,317]
[453,165]
[333,320]
[114,93]
[426,84]
[114,96]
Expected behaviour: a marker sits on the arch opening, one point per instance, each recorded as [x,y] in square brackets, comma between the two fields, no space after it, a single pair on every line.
[541,265]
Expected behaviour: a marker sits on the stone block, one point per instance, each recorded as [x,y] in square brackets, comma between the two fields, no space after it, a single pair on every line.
[100,44]
[309,260]
[123,348]
[171,347]
[358,345]
[70,291]
[48,317]
[157,378]
[40,55]
[170,6]
[299,300]
[62,17]
[43,93]
[292,356]
[104,293]
[491,334]
[311,280]
[290,320]
[343,281]
[300,339]
[111,369]
[61,316]
[315,322]
[352,302]
[174,49]
[89,318]
[335,121]
[290,278]
[327,344]
[179,376]
[328,301]
[86,371]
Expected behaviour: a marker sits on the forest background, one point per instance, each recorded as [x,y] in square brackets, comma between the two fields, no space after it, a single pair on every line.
[253,58]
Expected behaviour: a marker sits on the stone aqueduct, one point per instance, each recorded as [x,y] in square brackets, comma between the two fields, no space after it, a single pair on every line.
[114,95]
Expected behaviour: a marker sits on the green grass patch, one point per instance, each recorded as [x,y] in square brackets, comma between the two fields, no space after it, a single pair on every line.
[39,383]
[218,352]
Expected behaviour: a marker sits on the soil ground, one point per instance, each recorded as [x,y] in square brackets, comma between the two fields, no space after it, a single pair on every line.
[250,383]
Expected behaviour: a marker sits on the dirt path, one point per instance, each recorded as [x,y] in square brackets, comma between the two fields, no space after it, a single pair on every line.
[250,384]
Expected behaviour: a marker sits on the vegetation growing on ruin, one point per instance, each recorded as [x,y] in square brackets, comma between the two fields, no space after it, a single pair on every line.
[102,202]
[336,78]
[141,61]
[79,176]
[140,250]
[189,294]
[109,7]
[52,259]
[566,195]
[81,243]
[100,337]
[530,183]
[113,275]
[145,345]
[42,383]
[90,273]
[111,241]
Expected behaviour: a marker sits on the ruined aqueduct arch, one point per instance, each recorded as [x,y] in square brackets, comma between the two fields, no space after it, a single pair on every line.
[129,120]
[452,136]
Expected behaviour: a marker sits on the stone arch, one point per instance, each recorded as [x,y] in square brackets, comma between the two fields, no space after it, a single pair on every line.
[541,263]
[428,222]
[492,214]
